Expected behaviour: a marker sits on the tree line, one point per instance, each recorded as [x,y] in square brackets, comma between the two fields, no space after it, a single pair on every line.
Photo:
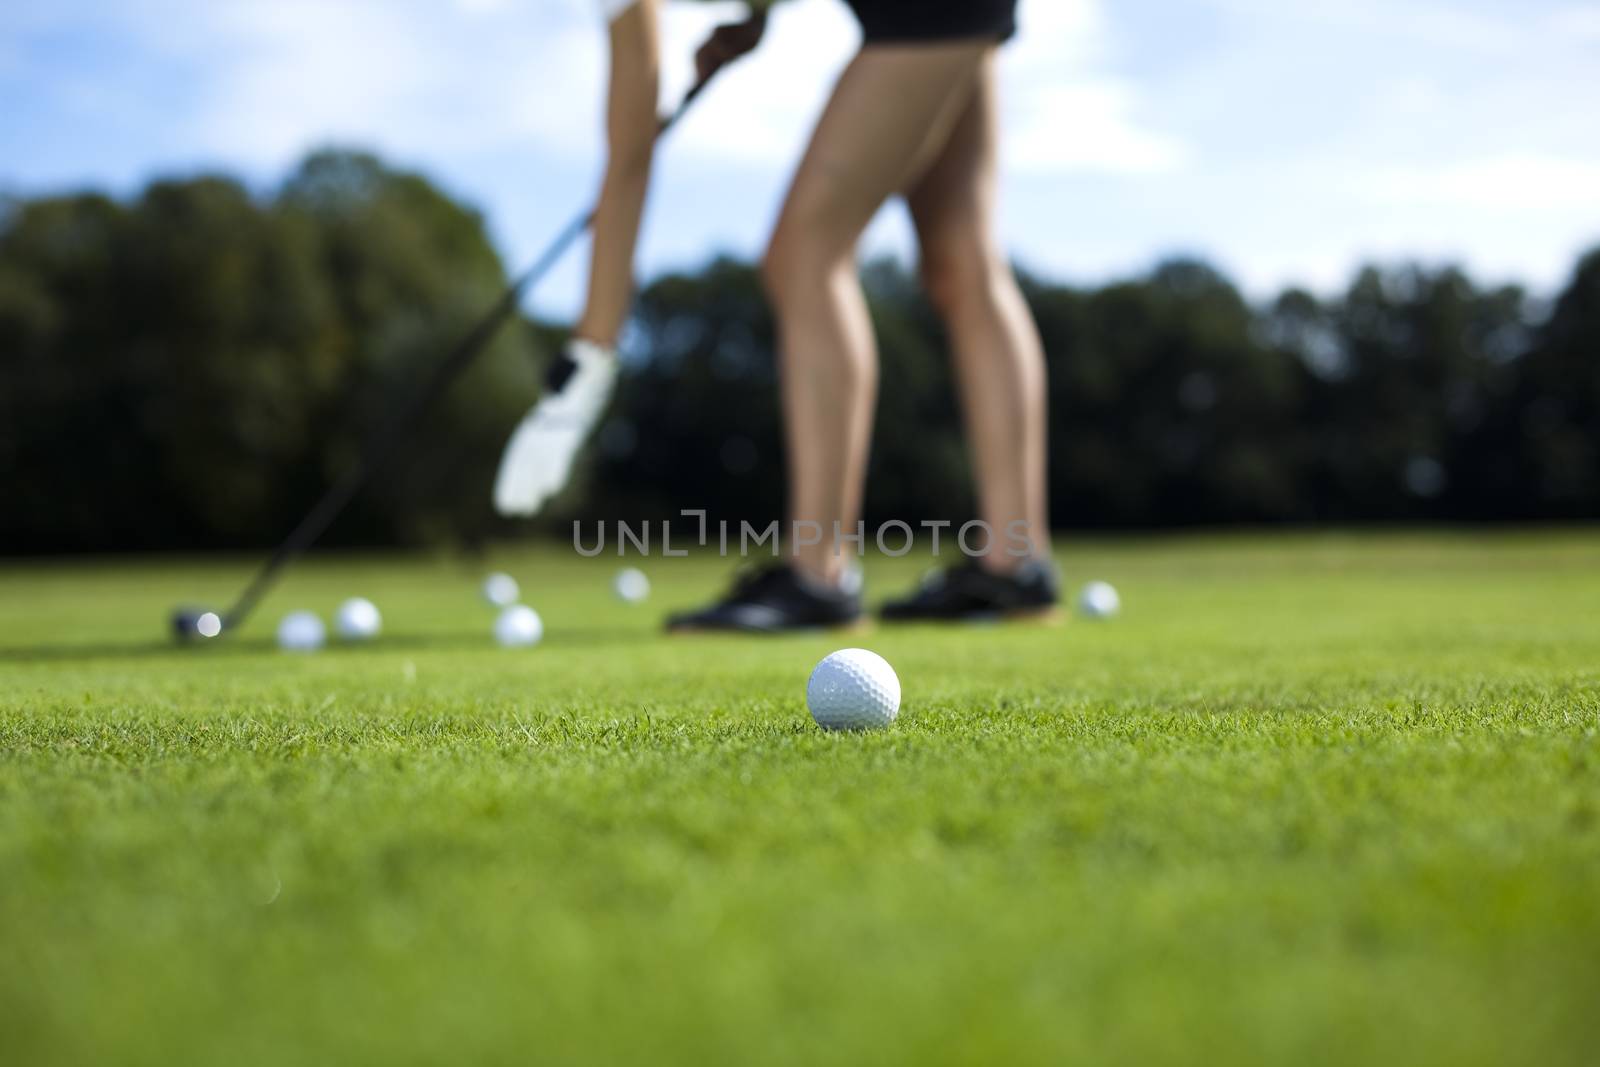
[191,367]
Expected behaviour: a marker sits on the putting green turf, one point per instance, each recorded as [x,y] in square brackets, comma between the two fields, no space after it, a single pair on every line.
[1312,799]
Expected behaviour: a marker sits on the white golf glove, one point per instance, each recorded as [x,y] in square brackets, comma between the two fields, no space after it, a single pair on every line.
[538,459]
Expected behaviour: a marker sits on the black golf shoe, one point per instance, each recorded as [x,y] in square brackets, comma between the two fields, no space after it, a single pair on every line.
[770,600]
[967,592]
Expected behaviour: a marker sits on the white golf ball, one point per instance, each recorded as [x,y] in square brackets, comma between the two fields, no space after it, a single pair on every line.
[301,631]
[358,620]
[518,626]
[853,689]
[501,590]
[1099,600]
[208,624]
[631,585]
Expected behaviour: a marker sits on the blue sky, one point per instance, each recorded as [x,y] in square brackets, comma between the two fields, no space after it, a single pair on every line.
[1284,140]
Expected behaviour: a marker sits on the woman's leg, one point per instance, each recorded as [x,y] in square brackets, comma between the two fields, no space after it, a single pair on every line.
[631,122]
[998,356]
[890,113]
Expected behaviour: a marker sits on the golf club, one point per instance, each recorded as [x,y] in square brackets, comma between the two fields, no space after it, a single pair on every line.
[189,623]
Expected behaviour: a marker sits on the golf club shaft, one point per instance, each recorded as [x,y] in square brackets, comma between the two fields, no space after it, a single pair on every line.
[388,437]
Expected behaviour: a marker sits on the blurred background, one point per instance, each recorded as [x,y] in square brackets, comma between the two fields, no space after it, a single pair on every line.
[1293,264]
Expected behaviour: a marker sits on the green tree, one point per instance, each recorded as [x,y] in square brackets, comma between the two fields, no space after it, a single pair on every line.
[194,367]
[1164,400]
[1555,425]
[1423,358]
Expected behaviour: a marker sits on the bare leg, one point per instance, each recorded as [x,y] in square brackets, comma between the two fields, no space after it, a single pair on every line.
[631,122]
[998,356]
[890,113]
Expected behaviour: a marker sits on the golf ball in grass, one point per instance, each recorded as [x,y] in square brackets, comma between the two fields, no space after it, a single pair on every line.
[501,590]
[358,620]
[1099,600]
[301,631]
[853,689]
[631,585]
[518,626]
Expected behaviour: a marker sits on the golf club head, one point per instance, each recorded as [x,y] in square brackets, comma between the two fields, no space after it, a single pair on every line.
[195,624]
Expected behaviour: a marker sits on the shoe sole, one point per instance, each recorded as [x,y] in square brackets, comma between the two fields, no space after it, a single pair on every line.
[858,626]
[1052,615]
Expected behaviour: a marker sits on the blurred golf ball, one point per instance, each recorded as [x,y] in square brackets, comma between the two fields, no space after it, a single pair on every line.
[853,689]
[518,626]
[631,585]
[501,590]
[209,624]
[1099,600]
[301,631]
[358,620]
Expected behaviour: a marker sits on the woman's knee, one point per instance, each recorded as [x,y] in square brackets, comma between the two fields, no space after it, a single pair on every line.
[777,268]
[958,273]
[798,260]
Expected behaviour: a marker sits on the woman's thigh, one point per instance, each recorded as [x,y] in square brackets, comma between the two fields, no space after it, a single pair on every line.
[952,200]
[890,114]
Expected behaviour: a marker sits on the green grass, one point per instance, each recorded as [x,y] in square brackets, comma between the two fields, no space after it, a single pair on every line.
[1312,799]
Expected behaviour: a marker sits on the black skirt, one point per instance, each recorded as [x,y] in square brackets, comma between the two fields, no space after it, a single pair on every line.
[889,21]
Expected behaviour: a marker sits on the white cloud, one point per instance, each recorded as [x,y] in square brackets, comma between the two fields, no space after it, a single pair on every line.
[1580,22]
[1431,23]
[300,72]
[303,72]
[1513,182]
[1064,113]
[1086,127]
